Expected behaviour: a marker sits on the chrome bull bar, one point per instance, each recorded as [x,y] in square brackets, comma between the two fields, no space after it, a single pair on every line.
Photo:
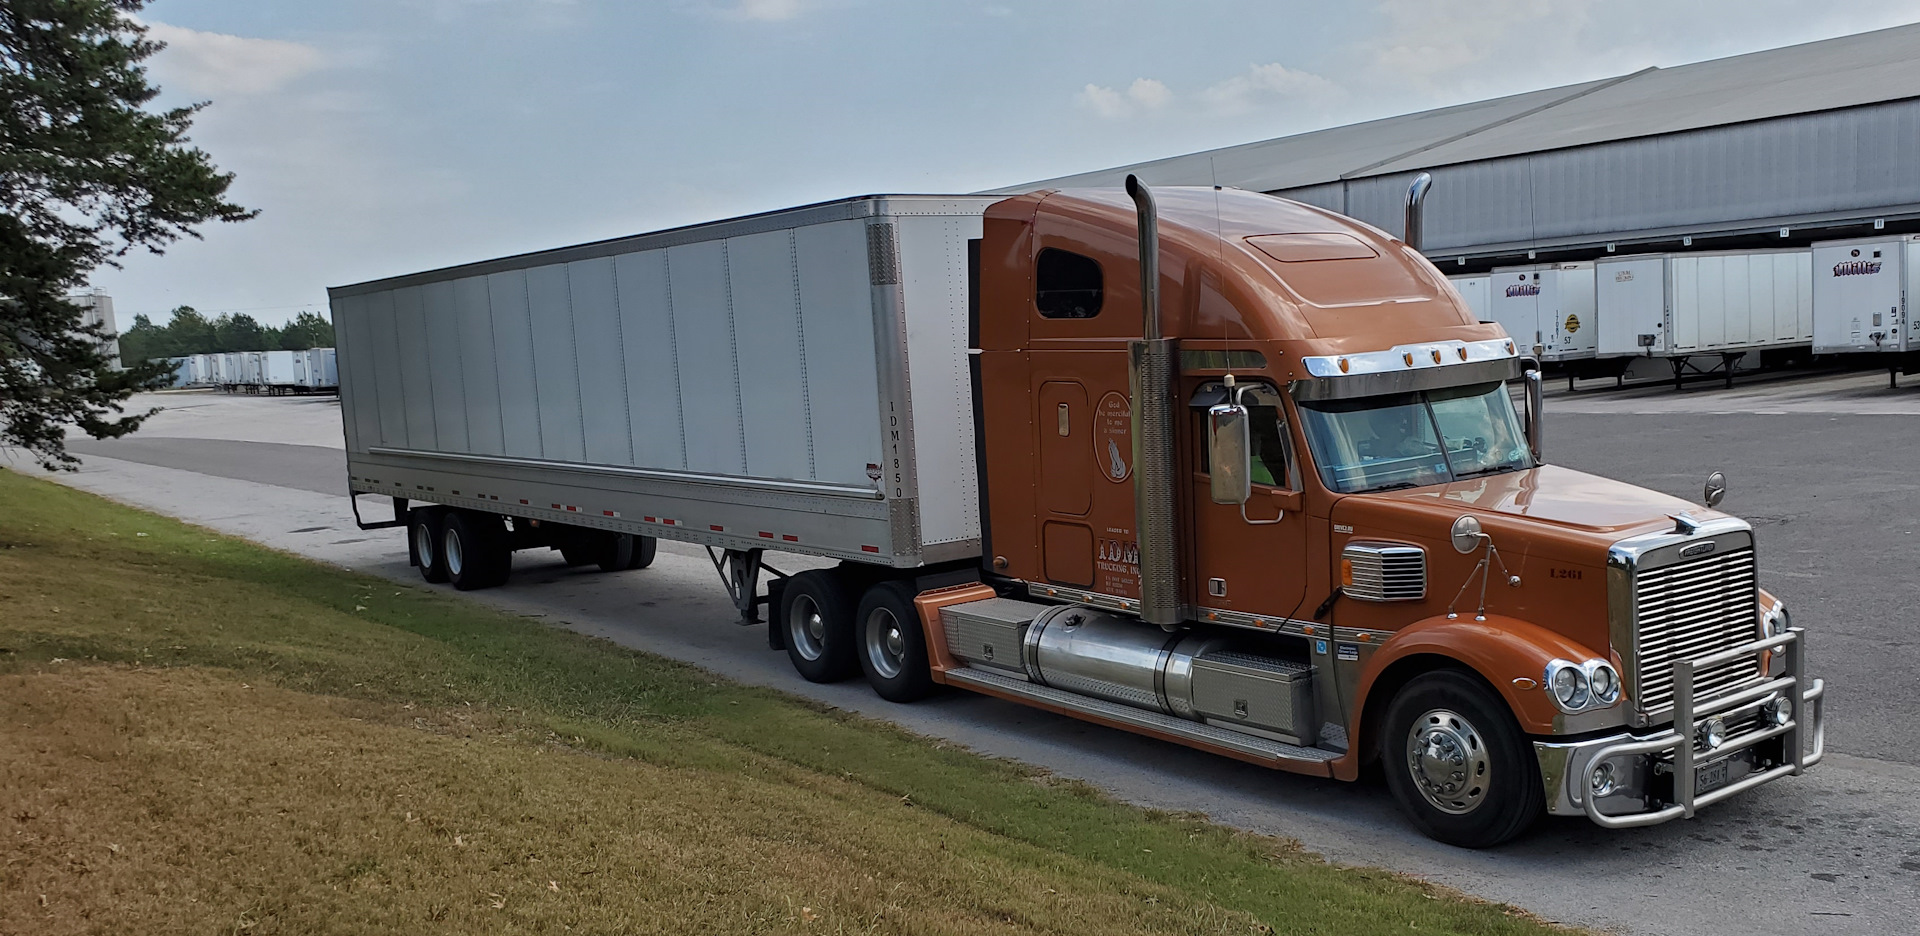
[1689,712]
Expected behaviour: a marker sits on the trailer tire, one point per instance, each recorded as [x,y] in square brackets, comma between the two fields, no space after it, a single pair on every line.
[425,527]
[624,551]
[893,645]
[819,615]
[476,550]
[1457,762]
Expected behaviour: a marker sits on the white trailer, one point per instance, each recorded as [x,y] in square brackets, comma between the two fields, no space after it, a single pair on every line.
[797,380]
[1547,307]
[324,368]
[278,371]
[1716,305]
[1473,289]
[1860,295]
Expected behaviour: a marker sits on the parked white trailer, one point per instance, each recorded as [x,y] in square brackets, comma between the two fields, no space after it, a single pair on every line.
[1715,305]
[278,371]
[1546,307]
[1473,288]
[795,380]
[1860,295]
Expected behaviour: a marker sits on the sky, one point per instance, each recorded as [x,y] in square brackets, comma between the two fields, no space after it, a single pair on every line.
[380,137]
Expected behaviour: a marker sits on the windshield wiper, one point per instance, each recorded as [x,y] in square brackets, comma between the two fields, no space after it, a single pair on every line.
[1496,469]
[1395,486]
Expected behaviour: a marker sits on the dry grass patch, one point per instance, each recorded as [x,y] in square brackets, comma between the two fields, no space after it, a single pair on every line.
[186,801]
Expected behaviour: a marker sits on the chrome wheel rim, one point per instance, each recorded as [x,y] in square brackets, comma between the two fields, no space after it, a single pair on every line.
[423,544]
[456,556]
[807,628]
[886,644]
[1448,761]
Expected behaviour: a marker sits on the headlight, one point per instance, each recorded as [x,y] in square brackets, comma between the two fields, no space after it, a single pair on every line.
[1604,681]
[1577,687]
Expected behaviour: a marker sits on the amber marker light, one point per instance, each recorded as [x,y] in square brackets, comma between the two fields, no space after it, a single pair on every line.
[1343,365]
[1346,573]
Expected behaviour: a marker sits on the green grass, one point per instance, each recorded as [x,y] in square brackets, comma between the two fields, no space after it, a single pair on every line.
[83,579]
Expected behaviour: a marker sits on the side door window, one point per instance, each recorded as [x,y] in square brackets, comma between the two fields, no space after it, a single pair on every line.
[1273,462]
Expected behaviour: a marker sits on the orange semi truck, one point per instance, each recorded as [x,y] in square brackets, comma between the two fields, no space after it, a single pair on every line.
[1206,465]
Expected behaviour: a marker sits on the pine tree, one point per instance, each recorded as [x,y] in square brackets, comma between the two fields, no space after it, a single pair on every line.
[87,174]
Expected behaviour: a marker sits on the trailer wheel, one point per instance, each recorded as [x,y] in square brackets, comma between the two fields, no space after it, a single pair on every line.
[819,616]
[1457,762]
[424,529]
[577,555]
[626,551]
[475,550]
[893,646]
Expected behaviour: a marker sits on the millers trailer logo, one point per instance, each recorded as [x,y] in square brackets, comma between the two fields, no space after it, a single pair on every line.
[1523,289]
[1857,267]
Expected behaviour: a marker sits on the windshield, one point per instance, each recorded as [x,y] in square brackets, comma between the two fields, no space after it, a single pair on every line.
[1413,439]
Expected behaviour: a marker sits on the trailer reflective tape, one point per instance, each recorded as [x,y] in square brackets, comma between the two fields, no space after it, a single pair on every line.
[611,513]
[523,500]
[717,528]
[871,549]
[789,537]
[765,535]
[649,520]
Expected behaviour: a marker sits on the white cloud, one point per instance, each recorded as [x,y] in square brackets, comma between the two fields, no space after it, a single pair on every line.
[221,65]
[1263,84]
[1144,94]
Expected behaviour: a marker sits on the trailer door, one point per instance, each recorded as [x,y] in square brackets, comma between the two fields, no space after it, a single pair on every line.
[1856,296]
[1631,307]
[1513,301]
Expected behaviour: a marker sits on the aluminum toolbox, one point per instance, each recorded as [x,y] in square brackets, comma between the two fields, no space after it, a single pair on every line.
[792,380]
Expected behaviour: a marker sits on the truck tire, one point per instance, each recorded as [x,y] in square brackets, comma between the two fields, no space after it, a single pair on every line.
[424,529]
[819,616]
[475,550]
[1457,762]
[625,551]
[893,645]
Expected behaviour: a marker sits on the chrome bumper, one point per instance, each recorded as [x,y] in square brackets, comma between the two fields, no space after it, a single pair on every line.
[1569,769]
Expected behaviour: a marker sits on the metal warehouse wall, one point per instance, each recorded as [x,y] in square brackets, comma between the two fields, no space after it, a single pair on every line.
[1856,163]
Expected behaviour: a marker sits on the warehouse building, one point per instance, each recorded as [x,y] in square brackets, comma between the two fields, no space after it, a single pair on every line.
[1779,148]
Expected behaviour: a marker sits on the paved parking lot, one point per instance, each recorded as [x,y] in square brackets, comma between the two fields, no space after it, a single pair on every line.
[1820,465]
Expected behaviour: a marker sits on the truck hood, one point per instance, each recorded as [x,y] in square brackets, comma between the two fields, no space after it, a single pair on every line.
[1562,497]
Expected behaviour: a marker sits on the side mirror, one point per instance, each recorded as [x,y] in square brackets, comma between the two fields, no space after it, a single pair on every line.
[1536,393]
[1716,489]
[1230,453]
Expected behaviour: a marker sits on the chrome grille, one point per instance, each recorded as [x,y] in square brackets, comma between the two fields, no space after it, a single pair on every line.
[1385,571]
[1689,610]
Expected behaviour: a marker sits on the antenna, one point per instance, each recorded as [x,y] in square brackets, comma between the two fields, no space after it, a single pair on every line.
[1220,254]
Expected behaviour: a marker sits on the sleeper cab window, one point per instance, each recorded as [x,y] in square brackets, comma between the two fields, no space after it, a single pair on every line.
[1066,285]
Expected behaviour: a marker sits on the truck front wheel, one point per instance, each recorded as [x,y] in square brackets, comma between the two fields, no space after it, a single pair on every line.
[1457,762]
[893,647]
[819,616]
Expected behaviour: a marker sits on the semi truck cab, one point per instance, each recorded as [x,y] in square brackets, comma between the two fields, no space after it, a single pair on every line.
[1274,498]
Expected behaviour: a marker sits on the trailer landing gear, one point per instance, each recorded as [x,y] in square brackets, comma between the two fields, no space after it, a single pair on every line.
[740,572]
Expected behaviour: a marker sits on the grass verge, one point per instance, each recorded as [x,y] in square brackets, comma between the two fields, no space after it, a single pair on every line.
[197,733]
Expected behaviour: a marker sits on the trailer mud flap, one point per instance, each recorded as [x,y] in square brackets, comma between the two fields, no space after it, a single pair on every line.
[399,514]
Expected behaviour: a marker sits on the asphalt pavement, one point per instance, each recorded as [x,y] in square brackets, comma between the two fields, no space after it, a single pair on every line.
[1835,511]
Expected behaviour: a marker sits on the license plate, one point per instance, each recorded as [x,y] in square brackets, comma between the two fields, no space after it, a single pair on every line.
[1710,777]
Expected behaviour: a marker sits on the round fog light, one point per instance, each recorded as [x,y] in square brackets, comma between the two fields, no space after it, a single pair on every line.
[1712,734]
[1779,711]
[1604,781]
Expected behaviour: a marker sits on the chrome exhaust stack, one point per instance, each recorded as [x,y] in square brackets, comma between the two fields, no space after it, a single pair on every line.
[1417,211]
[1150,373]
